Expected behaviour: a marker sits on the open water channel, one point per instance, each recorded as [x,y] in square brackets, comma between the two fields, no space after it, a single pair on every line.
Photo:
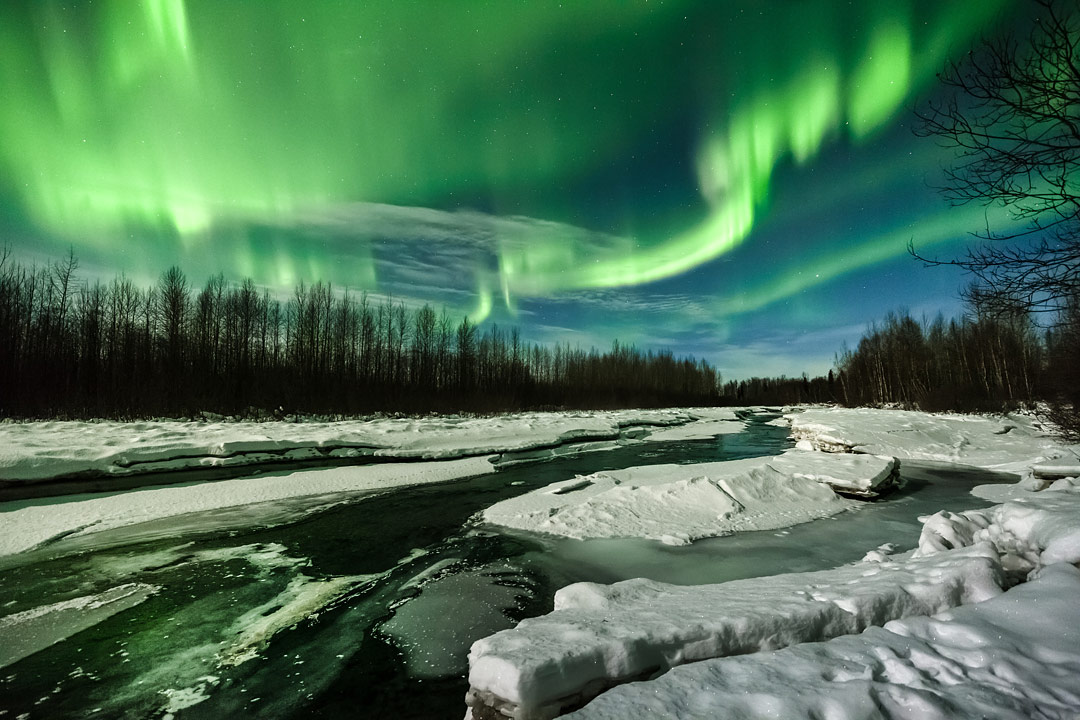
[367,608]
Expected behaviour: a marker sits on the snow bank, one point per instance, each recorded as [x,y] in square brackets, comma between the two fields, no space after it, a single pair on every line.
[1011,443]
[1028,533]
[678,504]
[30,523]
[719,421]
[46,450]
[1014,656]
[599,636]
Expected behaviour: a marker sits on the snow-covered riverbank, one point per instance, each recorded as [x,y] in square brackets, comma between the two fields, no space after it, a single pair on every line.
[462,447]
[36,451]
[716,648]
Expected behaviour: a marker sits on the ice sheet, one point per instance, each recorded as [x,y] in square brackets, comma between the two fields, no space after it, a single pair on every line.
[30,523]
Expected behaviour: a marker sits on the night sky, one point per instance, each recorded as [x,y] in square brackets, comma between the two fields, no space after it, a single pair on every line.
[732,179]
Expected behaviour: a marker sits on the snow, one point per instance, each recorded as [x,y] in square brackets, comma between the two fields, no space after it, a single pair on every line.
[32,523]
[35,451]
[678,504]
[25,633]
[1013,656]
[706,425]
[1009,443]
[601,635]
[1028,533]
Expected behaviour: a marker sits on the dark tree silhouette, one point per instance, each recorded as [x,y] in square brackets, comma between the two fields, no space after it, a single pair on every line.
[71,349]
[1013,117]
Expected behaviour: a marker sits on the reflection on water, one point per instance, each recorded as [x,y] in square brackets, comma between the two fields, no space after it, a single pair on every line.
[368,608]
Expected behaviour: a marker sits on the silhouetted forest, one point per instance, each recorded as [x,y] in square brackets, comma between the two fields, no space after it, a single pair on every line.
[988,361]
[71,348]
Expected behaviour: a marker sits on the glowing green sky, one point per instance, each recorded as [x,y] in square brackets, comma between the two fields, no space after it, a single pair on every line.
[517,160]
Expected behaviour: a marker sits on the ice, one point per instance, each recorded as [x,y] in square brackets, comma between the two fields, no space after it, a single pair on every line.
[25,633]
[30,523]
[182,698]
[303,598]
[435,629]
[1009,443]
[1013,656]
[602,635]
[677,504]
[1028,532]
[35,451]
[721,421]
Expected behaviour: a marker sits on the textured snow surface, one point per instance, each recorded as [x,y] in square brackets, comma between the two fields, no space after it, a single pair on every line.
[1014,656]
[678,504]
[1005,658]
[1011,443]
[44,450]
[25,524]
[1029,532]
[600,635]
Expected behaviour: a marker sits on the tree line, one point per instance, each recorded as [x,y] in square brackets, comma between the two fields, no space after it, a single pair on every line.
[984,361]
[74,348]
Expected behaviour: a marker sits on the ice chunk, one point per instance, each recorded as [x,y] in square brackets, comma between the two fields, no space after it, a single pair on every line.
[602,635]
[27,632]
[1014,656]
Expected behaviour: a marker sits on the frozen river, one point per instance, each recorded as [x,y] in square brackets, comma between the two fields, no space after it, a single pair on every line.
[368,608]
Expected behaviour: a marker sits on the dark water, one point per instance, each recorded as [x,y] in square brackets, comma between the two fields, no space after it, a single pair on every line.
[385,643]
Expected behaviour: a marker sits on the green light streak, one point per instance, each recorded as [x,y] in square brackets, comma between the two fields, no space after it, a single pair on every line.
[815,103]
[162,127]
[934,230]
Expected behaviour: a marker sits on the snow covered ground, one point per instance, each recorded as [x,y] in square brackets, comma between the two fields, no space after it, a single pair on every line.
[602,635]
[47,450]
[898,647]
[463,447]
[1011,443]
[678,504]
[1014,656]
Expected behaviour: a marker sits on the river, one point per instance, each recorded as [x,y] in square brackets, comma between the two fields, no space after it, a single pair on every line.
[367,608]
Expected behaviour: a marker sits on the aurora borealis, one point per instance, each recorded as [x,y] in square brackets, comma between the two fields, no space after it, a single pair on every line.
[735,179]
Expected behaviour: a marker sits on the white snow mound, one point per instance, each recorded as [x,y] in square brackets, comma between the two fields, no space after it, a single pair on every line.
[1013,656]
[1009,443]
[602,635]
[678,504]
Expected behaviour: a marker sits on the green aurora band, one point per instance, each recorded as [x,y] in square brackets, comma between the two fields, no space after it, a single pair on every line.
[168,125]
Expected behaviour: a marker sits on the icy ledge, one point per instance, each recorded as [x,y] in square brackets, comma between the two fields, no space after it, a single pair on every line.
[1014,656]
[601,636]
[678,504]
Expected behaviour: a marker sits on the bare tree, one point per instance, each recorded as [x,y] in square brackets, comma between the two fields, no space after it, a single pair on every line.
[1013,117]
